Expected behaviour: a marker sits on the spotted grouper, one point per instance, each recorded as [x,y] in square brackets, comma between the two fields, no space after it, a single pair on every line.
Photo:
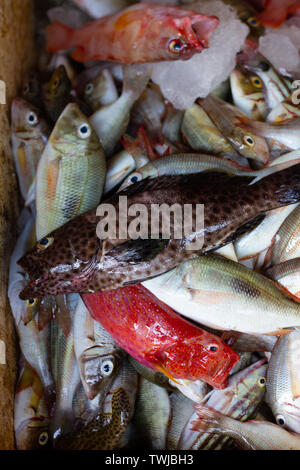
[74,259]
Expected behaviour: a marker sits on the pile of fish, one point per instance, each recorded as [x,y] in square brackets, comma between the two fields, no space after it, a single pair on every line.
[155,342]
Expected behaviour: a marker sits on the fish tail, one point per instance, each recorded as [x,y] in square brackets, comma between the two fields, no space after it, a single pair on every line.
[58,37]
[279,189]
[208,420]
[136,78]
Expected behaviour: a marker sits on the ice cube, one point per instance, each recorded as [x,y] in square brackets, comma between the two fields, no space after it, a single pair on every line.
[281,49]
[182,82]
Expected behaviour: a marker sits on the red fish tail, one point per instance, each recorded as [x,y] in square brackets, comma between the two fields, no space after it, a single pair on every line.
[59,37]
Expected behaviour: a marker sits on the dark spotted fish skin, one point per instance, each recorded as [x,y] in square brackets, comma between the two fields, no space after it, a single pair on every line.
[77,261]
[104,430]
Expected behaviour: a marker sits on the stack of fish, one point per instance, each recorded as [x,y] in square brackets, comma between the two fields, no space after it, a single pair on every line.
[107,359]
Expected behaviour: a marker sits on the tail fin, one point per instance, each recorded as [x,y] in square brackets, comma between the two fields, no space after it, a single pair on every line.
[208,420]
[281,188]
[59,37]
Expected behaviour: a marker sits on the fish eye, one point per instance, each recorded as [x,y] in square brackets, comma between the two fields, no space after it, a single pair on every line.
[264,66]
[253,21]
[249,141]
[89,88]
[55,83]
[84,131]
[107,368]
[32,118]
[280,420]
[135,178]
[31,302]
[256,81]
[43,438]
[176,46]
[44,243]
[213,347]
[261,382]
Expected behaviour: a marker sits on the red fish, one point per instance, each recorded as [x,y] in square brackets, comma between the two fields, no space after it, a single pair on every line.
[277,11]
[144,32]
[157,337]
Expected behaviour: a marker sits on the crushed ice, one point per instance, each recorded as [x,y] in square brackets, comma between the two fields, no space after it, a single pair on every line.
[182,82]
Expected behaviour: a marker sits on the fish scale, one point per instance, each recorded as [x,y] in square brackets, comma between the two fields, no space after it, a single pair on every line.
[76,260]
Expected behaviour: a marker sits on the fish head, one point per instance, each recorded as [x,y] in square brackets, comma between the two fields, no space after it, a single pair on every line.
[26,120]
[205,358]
[73,135]
[247,84]
[58,85]
[98,370]
[32,90]
[62,262]
[250,145]
[287,414]
[192,35]
[177,33]
[250,383]
[33,434]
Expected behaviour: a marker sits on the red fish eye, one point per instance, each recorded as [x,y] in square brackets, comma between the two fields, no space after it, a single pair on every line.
[176,46]
[213,347]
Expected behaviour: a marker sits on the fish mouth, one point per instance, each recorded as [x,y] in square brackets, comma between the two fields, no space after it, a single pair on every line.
[37,274]
[220,377]
[204,28]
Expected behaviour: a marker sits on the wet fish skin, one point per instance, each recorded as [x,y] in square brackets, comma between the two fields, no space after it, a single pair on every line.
[156,24]
[287,240]
[287,274]
[32,322]
[225,295]
[202,134]
[283,382]
[248,95]
[252,435]
[97,354]
[157,337]
[152,414]
[57,93]
[110,122]
[227,118]
[29,137]
[101,91]
[71,172]
[240,400]
[276,88]
[105,427]
[31,419]
[229,202]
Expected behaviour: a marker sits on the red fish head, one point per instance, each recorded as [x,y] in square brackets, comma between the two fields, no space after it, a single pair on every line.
[62,262]
[208,359]
[191,34]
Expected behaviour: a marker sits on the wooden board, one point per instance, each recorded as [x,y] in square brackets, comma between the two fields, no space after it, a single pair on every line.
[16,57]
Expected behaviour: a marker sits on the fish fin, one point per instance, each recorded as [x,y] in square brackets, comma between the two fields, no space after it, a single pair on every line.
[166,373]
[208,420]
[138,250]
[62,314]
[286,292]
[58,37]
[242,230]
[136,78]
[280,332]
[140,148]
